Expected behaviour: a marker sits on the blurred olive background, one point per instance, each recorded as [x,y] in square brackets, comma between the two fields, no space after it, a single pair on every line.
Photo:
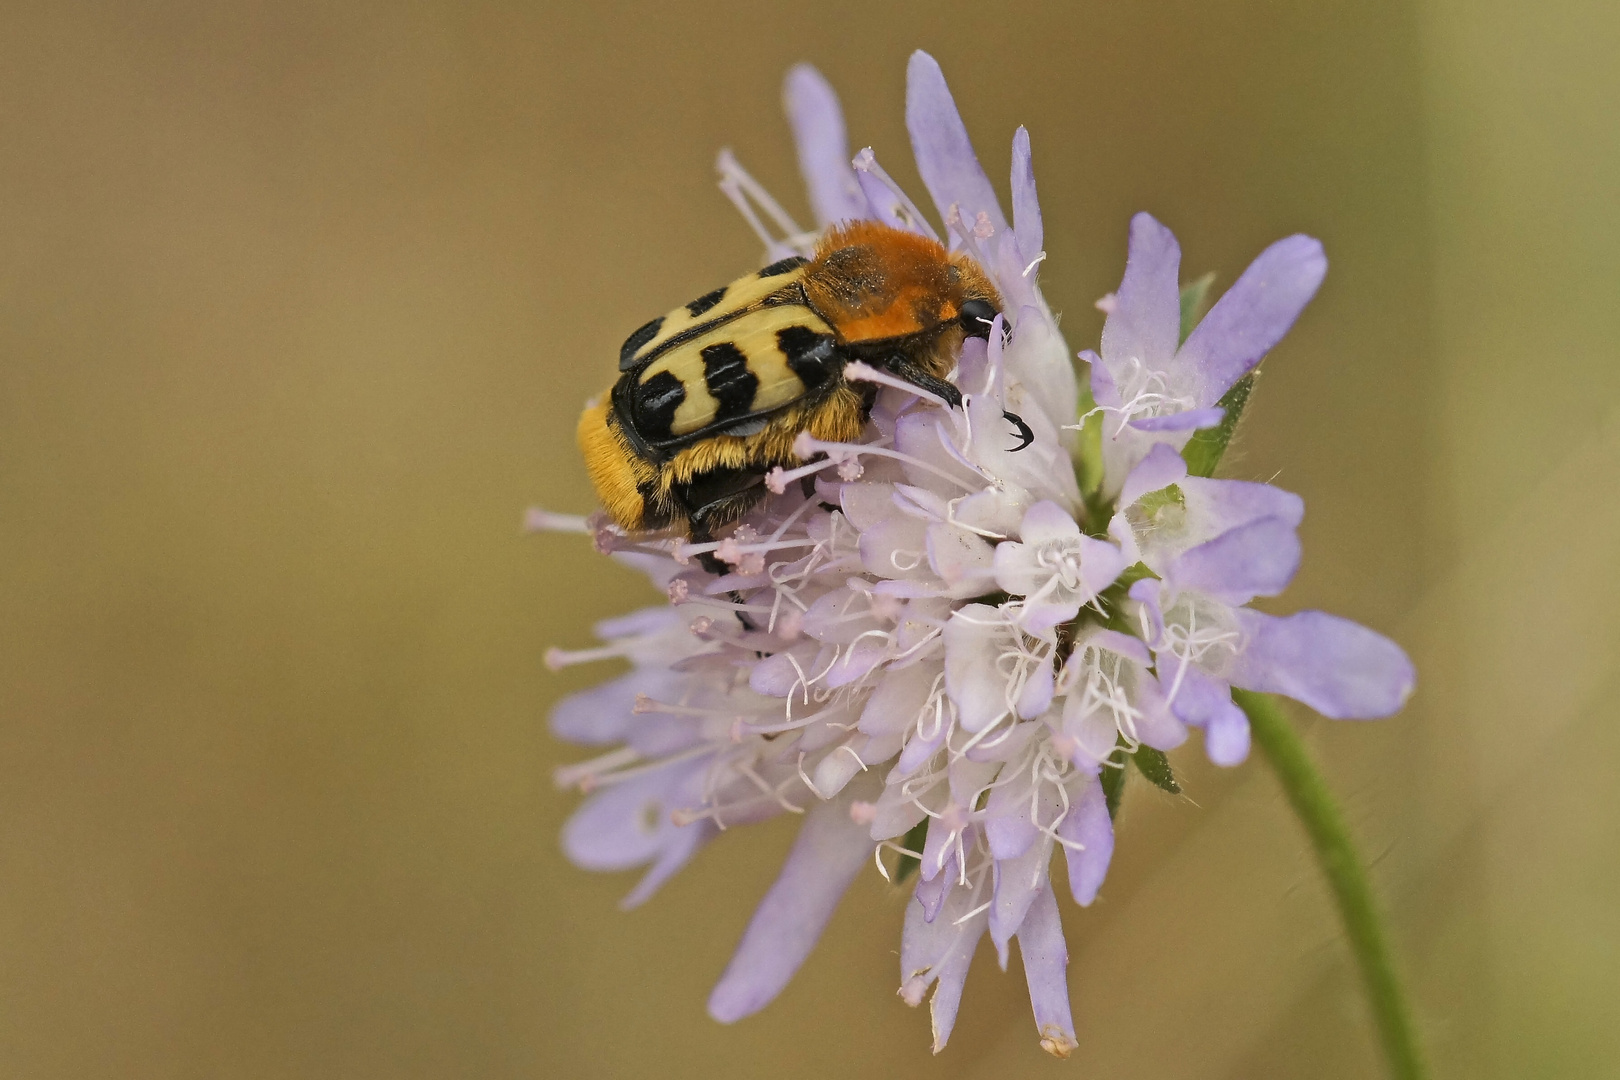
[298,303]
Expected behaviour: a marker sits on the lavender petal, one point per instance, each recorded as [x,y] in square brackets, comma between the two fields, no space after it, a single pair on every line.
[898,699]
[1101,563]
[1116,642]
[885,200]
[1007,826]
[1039,688]
[1147,593]
[829,852]
[602,714]
[940,143]
[1188,420]
[939,847]
[971,677]
[1019,879]
[1339,668]
[818,131]
[1206,702]
[1042,618]
[931,893]
[1146,321]
[1256,559]
[962,559]
[1038,358]
[1226,737]
[1103,389]
[1047,522]
[1157,726]
[627,823]
[1046,959]
[1220,505]
[1018,569]
[918,750]
[938,952]
[644,621]
[1087,823]
[1026,207]
[687,842]
[1253,316]
[1161,468]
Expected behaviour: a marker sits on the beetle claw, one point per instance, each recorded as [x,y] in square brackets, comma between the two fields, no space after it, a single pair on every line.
[1024,433]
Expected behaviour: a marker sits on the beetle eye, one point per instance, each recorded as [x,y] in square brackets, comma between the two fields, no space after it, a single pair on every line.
[976,317]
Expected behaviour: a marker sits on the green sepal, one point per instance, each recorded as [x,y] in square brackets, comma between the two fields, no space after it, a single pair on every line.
[1203,451]
[1192,302]
[1155,766]
[1133,573]
[914,840]
[1113,782]
[1088,462]
[1144,512]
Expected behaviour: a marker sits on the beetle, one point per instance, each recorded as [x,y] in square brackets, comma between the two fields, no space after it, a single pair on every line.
[711,396]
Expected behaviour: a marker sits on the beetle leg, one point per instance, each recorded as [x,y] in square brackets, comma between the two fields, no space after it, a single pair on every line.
[953,397]
[922,380]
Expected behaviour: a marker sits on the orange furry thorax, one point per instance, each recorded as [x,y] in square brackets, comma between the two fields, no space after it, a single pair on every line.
[871,281]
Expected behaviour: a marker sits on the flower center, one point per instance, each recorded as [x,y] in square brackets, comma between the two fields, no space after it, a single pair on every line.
[1198,631]
[1146,392]
[1100,683]
[1061,558]
[1018,656]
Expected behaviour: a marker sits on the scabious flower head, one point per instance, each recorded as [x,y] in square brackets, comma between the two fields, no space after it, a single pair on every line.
[932,641]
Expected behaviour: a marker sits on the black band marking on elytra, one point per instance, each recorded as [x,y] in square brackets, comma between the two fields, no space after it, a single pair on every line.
[656,400]
[725,370]
[643,334]
[706,301]
[783,266]
[810,355]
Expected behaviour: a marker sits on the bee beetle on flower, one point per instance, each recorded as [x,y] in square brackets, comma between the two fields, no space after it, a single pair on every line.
[922,590]
[714,394]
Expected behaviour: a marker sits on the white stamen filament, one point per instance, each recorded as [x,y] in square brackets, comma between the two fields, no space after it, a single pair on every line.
[745,192]
[877,855]
[906,211]
[774,792]
[812,446]
[1103,690]
[556,659]
[1189,643]
[1146,393]
[862,372]
[569,775]
[976,911]
[538,519]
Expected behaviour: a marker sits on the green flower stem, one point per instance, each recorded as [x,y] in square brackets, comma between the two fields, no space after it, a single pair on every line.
[1311,800]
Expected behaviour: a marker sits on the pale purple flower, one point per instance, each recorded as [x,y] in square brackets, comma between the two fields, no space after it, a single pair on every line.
[1216,545]
[930,651]
[1111,696]
[1149,386]
[1054,566]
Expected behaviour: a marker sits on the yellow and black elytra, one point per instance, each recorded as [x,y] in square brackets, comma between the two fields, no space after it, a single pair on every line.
[711,396]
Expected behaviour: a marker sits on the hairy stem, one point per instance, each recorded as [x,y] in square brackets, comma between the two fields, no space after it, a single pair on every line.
[1308,794]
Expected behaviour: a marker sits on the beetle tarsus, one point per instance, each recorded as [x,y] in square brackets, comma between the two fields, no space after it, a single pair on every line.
[1024,433]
